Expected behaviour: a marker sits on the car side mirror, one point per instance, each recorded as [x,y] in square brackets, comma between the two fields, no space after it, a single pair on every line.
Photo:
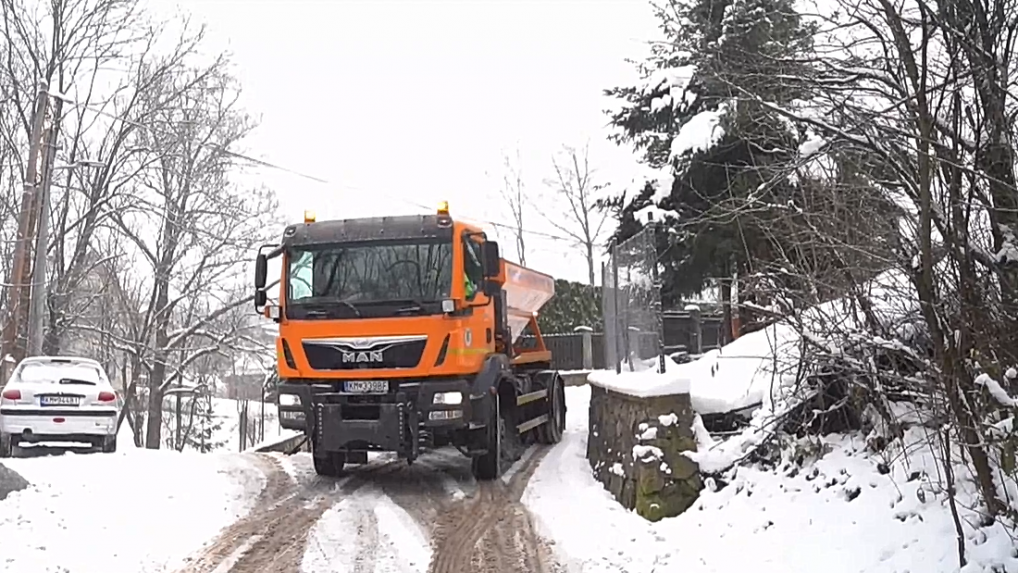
[491,260]
[261,271]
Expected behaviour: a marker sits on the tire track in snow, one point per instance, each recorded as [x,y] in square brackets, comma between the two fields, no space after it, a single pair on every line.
[273,536]
[367,533]
[491,531]
[367,538]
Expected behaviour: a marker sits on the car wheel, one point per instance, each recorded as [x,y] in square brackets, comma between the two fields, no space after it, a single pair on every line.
[6,446]
[109,444]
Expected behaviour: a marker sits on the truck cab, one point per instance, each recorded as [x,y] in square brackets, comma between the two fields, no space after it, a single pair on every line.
[397,334]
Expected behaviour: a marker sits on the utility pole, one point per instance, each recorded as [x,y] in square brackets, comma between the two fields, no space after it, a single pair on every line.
[17,291]
[37,310]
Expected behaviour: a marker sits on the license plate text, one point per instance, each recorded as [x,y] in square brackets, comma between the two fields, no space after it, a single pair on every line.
[366,386]
[59,400]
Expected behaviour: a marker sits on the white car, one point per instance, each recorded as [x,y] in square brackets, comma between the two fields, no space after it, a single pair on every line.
[58,399]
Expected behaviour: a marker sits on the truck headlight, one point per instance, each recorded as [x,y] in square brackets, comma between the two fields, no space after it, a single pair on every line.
[449,398]
[289,400]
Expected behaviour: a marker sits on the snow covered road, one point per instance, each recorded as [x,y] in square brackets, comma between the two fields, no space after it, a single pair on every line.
[383,517]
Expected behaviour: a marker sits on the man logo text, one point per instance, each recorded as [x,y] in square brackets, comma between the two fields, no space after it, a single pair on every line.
[370,356]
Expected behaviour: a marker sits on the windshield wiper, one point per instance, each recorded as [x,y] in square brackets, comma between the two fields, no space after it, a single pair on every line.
[322,306]
[416,306]
[350,305]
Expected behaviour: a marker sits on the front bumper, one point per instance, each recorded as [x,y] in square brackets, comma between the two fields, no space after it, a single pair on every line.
[397,421]
[44,425]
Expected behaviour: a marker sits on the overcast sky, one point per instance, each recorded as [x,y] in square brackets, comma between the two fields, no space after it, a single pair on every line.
[401,104]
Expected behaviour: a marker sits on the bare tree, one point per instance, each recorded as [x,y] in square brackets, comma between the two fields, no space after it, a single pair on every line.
[584,221]
[97,55]
[203,226]
[514,194]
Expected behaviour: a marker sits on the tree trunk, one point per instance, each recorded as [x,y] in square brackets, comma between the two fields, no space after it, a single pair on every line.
[155,397]
[154,423]
[590,262]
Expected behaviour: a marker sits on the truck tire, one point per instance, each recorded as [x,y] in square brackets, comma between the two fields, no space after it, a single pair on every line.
[492,465]
[551,432]
[329,464]
[6,446]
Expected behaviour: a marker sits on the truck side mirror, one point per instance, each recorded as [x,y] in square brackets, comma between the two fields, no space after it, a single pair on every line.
[260,298]
[491,288]
[261,271]
[491,260]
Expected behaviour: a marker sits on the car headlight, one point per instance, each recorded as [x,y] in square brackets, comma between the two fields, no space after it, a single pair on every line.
[448,398]
[289,400]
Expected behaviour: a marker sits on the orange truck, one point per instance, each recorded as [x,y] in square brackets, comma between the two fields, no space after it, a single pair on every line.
[402,334]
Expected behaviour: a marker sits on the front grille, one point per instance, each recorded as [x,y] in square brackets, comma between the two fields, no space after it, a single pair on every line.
[335,355]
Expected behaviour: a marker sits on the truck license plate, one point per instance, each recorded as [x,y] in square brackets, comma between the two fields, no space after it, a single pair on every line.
[366,386]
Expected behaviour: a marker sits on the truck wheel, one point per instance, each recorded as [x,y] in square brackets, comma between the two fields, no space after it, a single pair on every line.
[551,431]
[6,446]
[330,464]
[493,464]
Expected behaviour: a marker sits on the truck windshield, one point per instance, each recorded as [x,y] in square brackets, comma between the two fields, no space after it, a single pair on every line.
[368,278]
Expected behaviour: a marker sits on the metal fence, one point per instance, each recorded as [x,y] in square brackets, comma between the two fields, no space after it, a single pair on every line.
[633,326]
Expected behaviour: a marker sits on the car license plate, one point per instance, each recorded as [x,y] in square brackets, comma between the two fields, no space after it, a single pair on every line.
[366,386]
[59,400]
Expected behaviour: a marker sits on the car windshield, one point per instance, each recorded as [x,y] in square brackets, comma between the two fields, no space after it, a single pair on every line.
[416,272]
[41,372]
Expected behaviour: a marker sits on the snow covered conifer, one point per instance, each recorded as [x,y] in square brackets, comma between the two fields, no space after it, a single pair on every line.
[693,117]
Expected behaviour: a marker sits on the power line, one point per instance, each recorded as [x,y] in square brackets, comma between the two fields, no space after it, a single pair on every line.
[263,163]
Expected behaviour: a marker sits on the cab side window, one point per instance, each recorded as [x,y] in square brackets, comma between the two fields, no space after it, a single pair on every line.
[472,266]
[301,276]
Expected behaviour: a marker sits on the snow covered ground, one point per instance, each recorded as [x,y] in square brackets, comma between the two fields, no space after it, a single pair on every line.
[368,519]
[756,369]
[225,424]
[227,413]
[840,514]
[134,511]
[739,375]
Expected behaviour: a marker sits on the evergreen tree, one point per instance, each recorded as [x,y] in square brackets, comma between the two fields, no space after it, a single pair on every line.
[575,304]
[206,425]
[697,114]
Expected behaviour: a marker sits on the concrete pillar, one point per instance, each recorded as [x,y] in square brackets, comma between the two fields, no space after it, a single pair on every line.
[694,315]
[586,333]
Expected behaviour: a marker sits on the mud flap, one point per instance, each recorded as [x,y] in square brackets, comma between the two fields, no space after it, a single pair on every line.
[481,389]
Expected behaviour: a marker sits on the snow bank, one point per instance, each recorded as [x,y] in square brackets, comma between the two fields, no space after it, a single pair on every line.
[129,512]
[760,368]
[763,369]
[642,383]
[742,374]
[846,513]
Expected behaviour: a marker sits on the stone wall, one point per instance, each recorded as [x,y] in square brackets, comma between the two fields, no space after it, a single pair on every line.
[635,448]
